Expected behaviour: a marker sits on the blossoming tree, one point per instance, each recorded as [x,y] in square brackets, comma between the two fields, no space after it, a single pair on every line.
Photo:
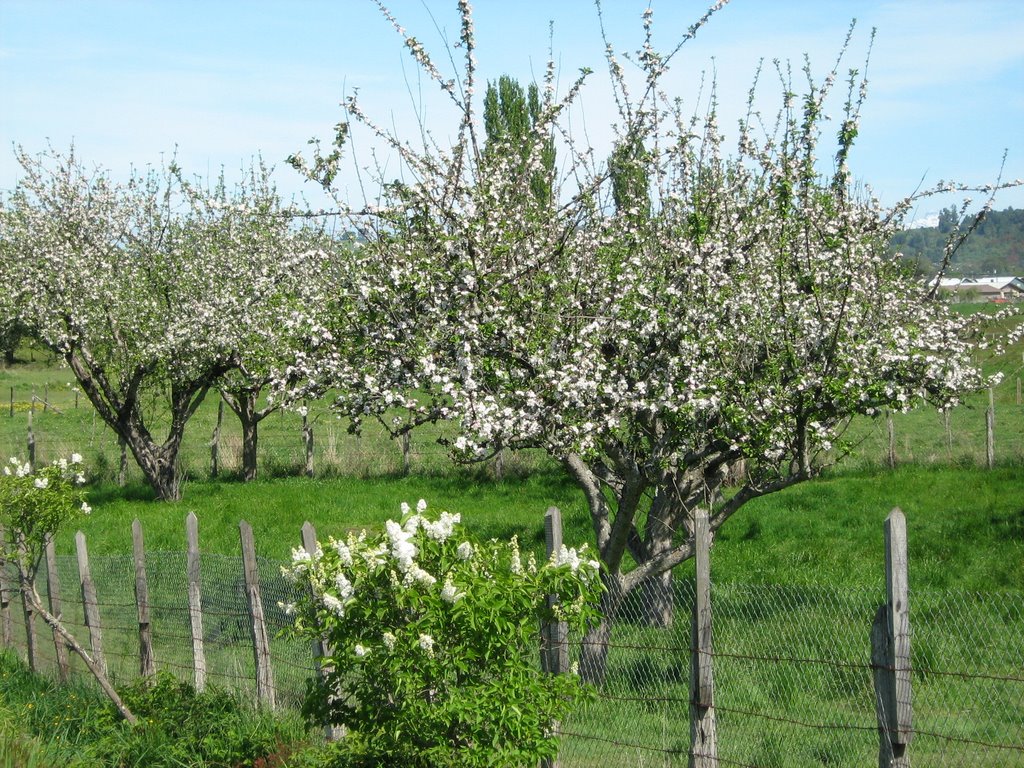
[275,259]
[150,296]
[653,323]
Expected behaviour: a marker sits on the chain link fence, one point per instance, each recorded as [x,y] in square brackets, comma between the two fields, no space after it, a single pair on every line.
[794,682]
[792,665]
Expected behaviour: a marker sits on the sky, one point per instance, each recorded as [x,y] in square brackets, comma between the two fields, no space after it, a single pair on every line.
[214,84]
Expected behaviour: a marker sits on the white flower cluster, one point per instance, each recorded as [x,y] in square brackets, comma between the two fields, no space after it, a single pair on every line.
[572,558]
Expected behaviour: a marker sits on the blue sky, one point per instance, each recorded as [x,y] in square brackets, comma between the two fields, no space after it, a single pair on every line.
[133,81]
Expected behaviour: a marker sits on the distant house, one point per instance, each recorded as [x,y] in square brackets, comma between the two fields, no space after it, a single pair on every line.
[996,289]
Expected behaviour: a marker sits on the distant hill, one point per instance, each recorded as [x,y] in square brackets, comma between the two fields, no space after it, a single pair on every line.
[995,248]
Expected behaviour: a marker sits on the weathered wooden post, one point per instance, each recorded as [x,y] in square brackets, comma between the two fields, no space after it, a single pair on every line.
[195,600]
[891,432]
[307,441]
[90,604]
[554,656]
[6,625]
[990,421]
[555,634]
[319,648]
[890,651]
[215,441]
[257,621]
[31,444]
[46,397]
[53,589]
[1018,391]
[147,664]
[703,726]
[406,458]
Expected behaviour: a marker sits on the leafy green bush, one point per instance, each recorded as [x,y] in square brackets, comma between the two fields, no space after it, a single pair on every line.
[180,726]
[435,644]
[177,726]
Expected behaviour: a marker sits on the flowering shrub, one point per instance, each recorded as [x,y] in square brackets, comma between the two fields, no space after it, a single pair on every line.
[432,642]
[34,504]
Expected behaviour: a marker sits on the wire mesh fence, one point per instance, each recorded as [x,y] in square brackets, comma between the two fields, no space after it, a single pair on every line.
[794,681]
[226,622]
[793,665]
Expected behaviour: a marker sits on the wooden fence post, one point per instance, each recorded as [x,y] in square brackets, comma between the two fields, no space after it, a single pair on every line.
[891,432]
[260,636]
[703,725]
[555,659]
[307,441]
[195,600]
[90,604]
[147,664]
[46,397]
[215,441]
[6,625]
[53,589]
[319,649]
[1018,391]
[554,635]
[31,444]
[12,402]
[406,459]
[990,421]
[890,651]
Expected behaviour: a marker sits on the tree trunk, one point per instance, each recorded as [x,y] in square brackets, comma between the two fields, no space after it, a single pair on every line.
[250,437]
[594,647]
[243,404]
[657,592]
[159,466]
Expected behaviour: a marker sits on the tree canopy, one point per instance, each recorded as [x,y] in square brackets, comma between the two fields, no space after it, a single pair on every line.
[150,290]
[681,310]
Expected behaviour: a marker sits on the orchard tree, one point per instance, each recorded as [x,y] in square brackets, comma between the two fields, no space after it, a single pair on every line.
[148,299]
[651,325]
[273,258]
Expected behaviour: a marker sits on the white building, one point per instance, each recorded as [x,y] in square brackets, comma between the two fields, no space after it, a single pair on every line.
[997,289]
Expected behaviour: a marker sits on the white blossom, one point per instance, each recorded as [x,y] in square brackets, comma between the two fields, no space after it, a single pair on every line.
[426,642]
